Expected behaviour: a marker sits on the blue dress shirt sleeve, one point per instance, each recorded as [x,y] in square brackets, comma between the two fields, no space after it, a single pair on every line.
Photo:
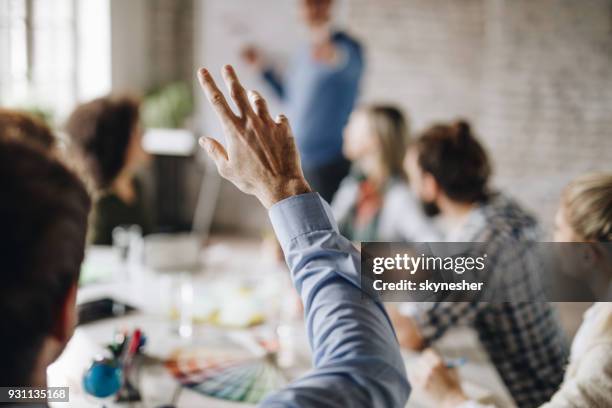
[356,356]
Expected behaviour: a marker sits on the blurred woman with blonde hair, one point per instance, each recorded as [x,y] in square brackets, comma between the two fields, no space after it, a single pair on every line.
[374,202]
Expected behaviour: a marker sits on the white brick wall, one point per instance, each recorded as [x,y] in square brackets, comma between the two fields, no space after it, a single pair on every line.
[171,32]
[534,77]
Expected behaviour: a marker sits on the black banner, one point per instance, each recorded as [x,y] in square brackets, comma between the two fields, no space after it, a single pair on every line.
[487,272]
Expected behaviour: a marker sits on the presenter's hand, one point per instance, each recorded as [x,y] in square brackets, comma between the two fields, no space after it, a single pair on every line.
[251,55]
[261,158]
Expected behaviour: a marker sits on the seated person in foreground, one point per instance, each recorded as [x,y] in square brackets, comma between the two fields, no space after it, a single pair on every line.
[44,211]
[585,215]
[449,170]
[374,202]
[356,356]
[107,133]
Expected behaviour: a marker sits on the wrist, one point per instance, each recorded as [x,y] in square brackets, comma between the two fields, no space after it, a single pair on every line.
[284,189]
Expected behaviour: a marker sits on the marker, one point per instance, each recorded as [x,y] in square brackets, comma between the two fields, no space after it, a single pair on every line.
[129,350]
[455,362]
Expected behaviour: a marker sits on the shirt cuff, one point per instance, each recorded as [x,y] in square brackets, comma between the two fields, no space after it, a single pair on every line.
[299,215]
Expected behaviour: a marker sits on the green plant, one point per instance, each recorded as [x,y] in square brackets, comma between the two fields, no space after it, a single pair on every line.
[46,115]
[168,106]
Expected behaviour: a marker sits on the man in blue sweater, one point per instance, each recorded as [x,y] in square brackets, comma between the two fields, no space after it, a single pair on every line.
[319,92]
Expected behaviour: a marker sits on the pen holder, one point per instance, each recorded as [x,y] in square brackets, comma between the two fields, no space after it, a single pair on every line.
[112,376]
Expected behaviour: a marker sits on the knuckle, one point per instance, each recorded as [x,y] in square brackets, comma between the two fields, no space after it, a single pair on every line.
[217,98]
[243,121]
[235,90]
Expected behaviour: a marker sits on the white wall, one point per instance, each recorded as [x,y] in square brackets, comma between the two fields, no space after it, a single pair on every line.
[130,65]
[533,77]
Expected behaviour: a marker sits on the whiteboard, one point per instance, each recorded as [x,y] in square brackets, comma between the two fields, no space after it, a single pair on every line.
[224,27]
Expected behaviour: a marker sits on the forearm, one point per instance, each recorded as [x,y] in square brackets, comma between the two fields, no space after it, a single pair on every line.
[356,355]
[432,320]
[353,342]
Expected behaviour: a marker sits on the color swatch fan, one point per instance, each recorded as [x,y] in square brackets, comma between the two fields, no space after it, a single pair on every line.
[229,375]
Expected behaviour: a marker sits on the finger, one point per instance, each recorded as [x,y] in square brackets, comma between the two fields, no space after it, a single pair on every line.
[259,106]
[237,92]
[215,96]
[432,358]
[216,152]
[282,120]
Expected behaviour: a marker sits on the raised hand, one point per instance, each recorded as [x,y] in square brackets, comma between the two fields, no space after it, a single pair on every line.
[261,158]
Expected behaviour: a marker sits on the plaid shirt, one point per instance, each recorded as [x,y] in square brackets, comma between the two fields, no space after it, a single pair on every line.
[523,337]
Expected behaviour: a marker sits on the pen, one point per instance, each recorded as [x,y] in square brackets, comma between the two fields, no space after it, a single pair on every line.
[455,362]
[130,350]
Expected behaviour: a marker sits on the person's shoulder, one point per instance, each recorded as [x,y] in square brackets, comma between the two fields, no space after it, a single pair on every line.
[601,315]
[403,214]
[596,362]
[506,218]
[106,200]
[502,204]
[348,187]
[399,193]
[342,37]
[345,196]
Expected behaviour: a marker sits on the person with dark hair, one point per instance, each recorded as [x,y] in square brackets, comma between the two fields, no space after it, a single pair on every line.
[449,171]
[319,91]
[43,212]
[107,132]
[456,161]
[374,202]
[584,215]
[25,128]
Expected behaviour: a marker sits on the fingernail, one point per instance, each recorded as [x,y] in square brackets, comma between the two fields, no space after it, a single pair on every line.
[204,72]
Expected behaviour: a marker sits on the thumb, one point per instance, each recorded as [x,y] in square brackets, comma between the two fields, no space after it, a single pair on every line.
[216,152]
[432,358]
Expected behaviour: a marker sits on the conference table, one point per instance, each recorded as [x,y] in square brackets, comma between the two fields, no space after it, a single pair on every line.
[259,313]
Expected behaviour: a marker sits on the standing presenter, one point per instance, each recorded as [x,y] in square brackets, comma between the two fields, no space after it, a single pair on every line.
[319,91]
